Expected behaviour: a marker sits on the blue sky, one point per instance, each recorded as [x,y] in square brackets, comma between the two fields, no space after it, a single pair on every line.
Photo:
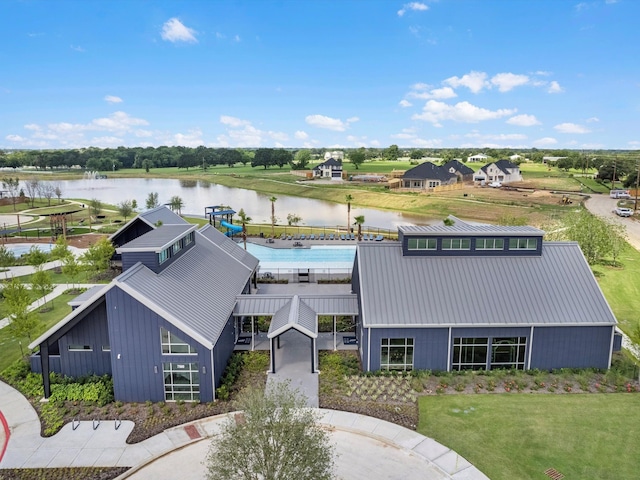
[260,73]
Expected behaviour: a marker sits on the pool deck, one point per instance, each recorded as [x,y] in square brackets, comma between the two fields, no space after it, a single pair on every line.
[306,243]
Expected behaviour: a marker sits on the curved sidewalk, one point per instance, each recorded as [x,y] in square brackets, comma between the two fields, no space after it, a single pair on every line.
[379,445]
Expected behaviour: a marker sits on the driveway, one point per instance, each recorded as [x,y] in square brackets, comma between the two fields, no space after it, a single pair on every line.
[602,206]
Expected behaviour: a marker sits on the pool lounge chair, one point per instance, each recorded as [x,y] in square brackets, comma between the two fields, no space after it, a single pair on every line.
[288,237]
[303,237]
[379,238]
[342,236]
[353,237]
[283,236]
[331,236]
[312,236]
[296,237]
[321,236]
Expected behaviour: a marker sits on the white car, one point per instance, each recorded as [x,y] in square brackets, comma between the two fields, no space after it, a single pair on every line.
[623,212]
[495,185]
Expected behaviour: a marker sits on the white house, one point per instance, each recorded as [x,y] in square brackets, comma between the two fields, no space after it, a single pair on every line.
[502,171]
[337,155]
[477,158]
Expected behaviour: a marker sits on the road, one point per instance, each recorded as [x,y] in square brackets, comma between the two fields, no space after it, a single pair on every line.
[603,206]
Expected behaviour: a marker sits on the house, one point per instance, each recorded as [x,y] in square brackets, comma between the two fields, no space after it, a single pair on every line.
[527,303]
[330,168]
[427,176]
[502,171]
[477,158]
[336,154]
[164,329]
[460,170]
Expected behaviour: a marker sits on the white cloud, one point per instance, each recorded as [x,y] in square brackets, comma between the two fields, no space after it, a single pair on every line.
[593,119]
[143,133]
[523,120]
[353,119]
[499,136]
[112,99]
[554,87]
[545,141]
[15,138]
[436,93]
[435,112]
[634,143]
[508,81]
[474,81]
[405,103]
[301,135]
[116,121]
[220,35]
[542,73]
[415,6]
[236,38]
[32,126]
[233,122]
[403,136]
[77,48]
[322,121]
[107,141]
[420,86]
[191,139]
[175,31]
[571,128]
[279,136]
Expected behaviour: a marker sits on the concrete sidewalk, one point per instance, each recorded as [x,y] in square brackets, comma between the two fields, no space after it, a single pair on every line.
[368,447]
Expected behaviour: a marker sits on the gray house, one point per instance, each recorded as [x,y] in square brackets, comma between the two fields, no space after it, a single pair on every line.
[164,328]
[460,170]
[479,297]
[427,176]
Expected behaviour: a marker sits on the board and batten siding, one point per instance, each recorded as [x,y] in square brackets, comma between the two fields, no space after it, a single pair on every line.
[429,346]
[134,334]
[223,349]
[571,347]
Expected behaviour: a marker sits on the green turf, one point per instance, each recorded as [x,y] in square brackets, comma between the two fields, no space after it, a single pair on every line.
[519,436]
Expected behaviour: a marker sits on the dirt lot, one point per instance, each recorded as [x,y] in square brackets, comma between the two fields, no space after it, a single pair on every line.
[78,241]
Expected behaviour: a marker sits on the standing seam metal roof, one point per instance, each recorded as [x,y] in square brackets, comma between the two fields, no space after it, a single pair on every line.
[557,288]
[157,239]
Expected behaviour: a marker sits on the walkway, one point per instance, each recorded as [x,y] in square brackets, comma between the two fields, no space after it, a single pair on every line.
[368,447]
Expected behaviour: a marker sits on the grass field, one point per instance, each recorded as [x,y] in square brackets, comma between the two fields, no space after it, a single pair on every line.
[519,436]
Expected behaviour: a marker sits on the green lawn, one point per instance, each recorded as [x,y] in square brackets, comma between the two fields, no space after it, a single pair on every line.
[519,436]
[9,345]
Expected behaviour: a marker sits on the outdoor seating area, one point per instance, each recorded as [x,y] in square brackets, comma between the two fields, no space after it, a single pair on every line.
[323,238]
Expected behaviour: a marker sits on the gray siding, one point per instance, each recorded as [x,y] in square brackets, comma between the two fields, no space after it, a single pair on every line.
[472,252]
[223,349]
[54,363]
[429,347]
[134,333]
[571,347]
[91,331]
[136,229]
[150,259]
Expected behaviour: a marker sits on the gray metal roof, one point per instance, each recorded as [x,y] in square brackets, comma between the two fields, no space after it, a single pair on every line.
[197,292]
[320,304]
[556,288]
[157,239]
[463,228]
[259,304]
[152,217]
[294,314]
[84,296]
[332,305]
[229,246]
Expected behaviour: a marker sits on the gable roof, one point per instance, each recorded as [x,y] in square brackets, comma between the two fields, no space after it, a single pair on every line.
[556,288]
[157,239]
[428,170]
[151,217]
[503,165]
[458,167]
[332,162]
[461,227]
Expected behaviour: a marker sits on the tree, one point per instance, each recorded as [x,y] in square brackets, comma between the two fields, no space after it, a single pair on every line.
[71,268]
[348,198]
[359,220]
[263,158]
[176,204]
[273,216]
[293,219]
[392,153]
[48,191]
[282,157]
[357,157]
[125,208]
[60,250]
[152,200]
[275,438]
[592,233]
[22,322]
[302,159]
[12,185]
[244,219]
[416,154]
[7,258]
[97,257]
[95,207]
[36,257]
[57,190]
[41,282]
[32,185]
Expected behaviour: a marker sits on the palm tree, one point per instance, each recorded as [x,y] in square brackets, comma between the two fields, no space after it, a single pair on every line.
[348,198]
[244,219]
[273,216]
[359,220]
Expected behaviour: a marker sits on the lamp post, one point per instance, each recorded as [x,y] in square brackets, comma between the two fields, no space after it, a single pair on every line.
[635,204]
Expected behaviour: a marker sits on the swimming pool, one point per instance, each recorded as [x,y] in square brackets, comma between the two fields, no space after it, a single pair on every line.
[317,257]
[19,249]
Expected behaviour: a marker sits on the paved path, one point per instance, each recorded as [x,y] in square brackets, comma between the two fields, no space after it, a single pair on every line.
[602,206]
[367,447]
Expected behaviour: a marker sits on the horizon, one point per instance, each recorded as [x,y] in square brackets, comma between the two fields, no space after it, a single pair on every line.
[430,74]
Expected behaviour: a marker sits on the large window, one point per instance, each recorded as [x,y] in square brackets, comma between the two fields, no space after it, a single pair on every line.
[181,381]
[176,247]
[172,344]
[188,239]
[396,354]
[472,353]
[421,244]
[163,256]
[456,244]
[508,352]
[523,243]
[489,243]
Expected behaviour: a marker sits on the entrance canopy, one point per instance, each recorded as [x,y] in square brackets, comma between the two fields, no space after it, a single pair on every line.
[294,314]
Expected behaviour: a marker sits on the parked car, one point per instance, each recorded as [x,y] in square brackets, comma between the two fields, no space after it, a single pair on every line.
[495,185]
[623,212]
[619,194]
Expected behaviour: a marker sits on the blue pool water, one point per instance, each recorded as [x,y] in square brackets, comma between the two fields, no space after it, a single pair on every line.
[316,257]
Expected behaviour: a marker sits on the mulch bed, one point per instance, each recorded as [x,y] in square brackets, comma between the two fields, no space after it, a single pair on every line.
[80,473]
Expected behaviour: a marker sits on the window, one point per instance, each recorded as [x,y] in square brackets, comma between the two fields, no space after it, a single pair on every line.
[489,243]
[470,353]
[433,184]
[174,345]
[106,348]
[396,354]
[456,244]
[421,243]
[80,348]
[188,239]
[181,381]
[508,352]
[523,243]
[163,256]
[176,247]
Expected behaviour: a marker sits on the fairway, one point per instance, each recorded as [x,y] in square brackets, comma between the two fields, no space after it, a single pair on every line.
[519,436]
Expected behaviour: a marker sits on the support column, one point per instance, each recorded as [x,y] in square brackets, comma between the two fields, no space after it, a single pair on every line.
[253,335]
[313,356]
[44,363]
[335,346]
[273,356]
[278,337]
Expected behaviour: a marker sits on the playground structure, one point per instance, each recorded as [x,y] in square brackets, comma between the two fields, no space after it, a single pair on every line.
[225,215]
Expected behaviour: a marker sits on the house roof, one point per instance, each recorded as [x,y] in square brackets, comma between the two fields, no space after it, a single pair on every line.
[294,314]
[428,170]
[332,162]
[152,217]
[461,227]
[458,167]
[321,304]
[84,296]
[229,247]
[157,239]
[556,288]
[504,165]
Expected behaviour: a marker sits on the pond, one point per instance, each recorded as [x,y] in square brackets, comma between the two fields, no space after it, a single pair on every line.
[197,195]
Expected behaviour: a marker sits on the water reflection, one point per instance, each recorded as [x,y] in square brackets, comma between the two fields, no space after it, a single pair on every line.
[200,194]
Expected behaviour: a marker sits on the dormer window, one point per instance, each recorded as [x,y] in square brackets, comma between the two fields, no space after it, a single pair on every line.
[163,256]
[489,243]
[176,247]
[422,244]
[523,243]
[456,244]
